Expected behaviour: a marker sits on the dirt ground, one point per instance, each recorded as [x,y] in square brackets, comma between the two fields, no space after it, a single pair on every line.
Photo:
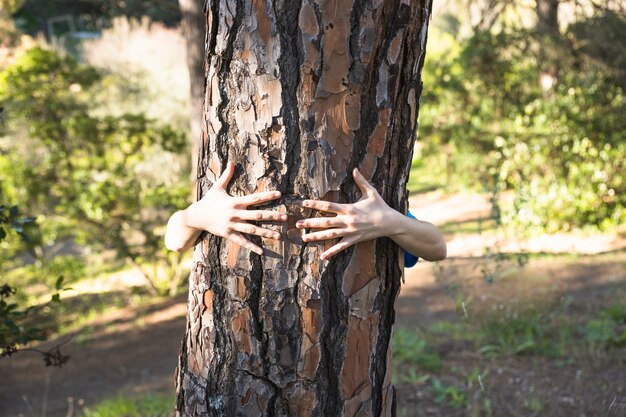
[135,350]
[593,384]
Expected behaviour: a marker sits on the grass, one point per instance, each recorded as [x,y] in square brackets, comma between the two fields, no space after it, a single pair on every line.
[548,332]
[450,394]
[411,348]
[150,405]
[503,320]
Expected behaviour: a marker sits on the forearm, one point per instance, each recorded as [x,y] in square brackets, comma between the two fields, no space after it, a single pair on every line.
[417,237]
[179,236]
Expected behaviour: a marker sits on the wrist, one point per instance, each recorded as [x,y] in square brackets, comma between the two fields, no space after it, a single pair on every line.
[186,217]
[396,222]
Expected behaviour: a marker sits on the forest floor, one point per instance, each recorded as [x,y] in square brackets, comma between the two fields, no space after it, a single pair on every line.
[488,332]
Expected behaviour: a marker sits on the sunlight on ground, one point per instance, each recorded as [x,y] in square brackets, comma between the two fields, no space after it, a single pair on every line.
[441,209]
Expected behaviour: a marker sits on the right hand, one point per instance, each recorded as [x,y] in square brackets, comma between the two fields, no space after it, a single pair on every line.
[226,216]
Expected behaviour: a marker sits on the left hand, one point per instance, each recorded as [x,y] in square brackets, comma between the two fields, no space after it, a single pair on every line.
[354,223]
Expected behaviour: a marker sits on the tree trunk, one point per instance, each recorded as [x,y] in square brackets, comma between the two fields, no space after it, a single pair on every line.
[194,30]
[298,93]
[552,44]
[548,17]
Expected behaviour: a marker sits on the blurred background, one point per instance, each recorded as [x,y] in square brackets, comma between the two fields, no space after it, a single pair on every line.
[519,159]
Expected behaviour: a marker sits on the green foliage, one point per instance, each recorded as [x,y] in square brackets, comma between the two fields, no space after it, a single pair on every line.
[9,34]
[448,394]
[534,332]
[15,330]
[522,334]
[94,174]
[10,6]
[411,348]
[151,405]
[10,218]
[609,329]
[489,123]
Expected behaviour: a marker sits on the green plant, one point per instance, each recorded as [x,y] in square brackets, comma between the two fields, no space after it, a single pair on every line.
[523,332]
[490,124]
[99,177]
[608,330]
[15,330]
[453,395]
[411,348]
[151,405]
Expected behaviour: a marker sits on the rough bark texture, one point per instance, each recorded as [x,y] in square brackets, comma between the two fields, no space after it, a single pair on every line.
[298,93]
[194,30]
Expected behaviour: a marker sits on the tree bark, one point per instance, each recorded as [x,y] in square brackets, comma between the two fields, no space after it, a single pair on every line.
[298,93]
[194,30]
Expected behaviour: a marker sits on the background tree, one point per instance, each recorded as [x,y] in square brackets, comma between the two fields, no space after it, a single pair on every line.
[90,171]
[297,95]
[194,29]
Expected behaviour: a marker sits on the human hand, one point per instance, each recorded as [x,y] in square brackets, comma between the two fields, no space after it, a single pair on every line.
[357,222]
[226,216]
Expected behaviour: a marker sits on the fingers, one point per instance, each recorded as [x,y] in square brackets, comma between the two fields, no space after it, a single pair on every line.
[324,206]
[345,243]
[226,176]
[261,215]
[257,198]
[242,241]
[321,222]
[325,235]
[365,187]
[255,230]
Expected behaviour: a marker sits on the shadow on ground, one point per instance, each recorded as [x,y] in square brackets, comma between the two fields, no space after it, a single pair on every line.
[138,360]
[139,356]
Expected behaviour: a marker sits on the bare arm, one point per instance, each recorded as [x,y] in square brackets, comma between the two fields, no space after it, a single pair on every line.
[418,237]
[179,236]
[371,218]
[222,215]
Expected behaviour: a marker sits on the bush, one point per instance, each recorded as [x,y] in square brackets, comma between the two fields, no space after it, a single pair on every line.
[108,181]
[558,147]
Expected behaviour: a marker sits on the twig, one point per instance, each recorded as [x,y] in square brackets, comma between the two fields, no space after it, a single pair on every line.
[30,409]
[611,406]
[464,309]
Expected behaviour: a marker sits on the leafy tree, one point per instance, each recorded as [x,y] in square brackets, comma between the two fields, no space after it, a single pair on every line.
[557,146]
[99,176]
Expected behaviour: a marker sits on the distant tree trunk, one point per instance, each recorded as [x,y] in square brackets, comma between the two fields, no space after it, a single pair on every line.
[194,30]
[551,42]
[298,93]
[547,17]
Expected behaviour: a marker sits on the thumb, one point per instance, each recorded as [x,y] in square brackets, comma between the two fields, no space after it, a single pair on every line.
[365,187]
[226,176]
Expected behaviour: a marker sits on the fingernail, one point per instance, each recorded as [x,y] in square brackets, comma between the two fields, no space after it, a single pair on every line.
[276,236]
[284,217]
[277,194]
[305,204]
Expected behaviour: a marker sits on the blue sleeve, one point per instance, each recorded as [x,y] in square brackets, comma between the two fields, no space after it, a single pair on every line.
[409,259]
